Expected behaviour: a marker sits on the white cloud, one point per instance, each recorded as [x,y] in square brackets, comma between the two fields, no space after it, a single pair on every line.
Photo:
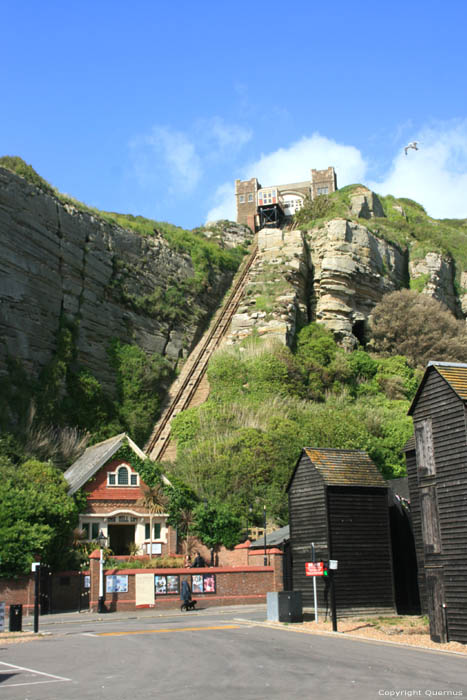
[178,160]
[226,208]
[435,175]
[179,154]
[226,136]
[293,164]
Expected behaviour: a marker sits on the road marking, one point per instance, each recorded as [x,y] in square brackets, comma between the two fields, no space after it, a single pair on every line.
[50,676]
[168,629]
[88,634]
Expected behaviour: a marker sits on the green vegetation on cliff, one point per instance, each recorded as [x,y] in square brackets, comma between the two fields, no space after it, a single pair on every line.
[37,413]
[267,402]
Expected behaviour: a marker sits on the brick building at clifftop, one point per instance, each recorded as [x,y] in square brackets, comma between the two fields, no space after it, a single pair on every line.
[259,206]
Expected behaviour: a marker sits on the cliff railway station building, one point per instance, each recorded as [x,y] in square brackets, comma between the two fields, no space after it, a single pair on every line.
[259,206]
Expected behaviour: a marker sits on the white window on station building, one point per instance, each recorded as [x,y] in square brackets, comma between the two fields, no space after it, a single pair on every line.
[122,476]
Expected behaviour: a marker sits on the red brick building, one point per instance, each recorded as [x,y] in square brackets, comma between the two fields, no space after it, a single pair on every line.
[114,492]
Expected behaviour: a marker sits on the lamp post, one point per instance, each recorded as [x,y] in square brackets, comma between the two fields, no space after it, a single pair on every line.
[248,518]
[102,539]
[265,555]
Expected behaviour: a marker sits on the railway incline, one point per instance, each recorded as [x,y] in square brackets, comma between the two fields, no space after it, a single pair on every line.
[191,386]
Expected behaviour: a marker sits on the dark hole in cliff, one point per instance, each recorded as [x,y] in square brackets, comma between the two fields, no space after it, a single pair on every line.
[359,331]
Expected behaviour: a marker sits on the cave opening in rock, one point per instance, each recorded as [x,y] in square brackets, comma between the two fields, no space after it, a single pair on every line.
[359,331]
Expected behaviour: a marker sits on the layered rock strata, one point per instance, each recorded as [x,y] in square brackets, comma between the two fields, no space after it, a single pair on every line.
[58,263]
[436,274]
[352,270]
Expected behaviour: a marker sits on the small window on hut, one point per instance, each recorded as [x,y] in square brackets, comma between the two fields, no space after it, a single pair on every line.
[424,448]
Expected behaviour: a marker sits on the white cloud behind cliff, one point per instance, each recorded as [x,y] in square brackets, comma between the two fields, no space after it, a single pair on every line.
[435,175]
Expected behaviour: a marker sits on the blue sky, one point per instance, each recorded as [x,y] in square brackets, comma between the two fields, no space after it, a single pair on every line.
[155,108]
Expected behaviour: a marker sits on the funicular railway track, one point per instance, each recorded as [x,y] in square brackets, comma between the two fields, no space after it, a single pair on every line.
[195,367]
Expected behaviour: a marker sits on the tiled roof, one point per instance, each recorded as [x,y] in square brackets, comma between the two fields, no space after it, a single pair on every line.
[345,467]
[455,374]
[93,458]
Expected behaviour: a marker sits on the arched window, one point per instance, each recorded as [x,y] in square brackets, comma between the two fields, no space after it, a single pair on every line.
[122,476]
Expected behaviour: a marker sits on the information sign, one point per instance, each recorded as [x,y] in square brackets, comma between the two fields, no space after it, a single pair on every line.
[314,568]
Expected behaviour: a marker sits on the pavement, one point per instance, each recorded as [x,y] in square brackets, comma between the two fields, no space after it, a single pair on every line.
[217,653]
[86,616]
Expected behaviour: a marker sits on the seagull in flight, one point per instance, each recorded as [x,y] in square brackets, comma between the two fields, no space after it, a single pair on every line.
[412,144]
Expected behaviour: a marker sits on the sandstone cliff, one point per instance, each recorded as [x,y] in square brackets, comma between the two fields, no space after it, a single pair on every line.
[337,271]
[58,262]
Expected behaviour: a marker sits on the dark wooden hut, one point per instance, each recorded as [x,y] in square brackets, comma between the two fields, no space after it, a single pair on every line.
[437,470]
[339,500]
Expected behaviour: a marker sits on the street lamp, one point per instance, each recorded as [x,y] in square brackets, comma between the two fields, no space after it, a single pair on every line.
[102,539]
[248,518]
[265,555]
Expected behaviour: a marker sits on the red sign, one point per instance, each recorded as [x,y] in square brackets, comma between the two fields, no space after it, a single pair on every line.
[314,568]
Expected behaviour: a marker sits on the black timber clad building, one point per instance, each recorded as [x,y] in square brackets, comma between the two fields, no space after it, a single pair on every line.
[437,469]
[339,500]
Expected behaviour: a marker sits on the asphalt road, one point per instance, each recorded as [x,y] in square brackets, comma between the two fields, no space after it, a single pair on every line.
[220,655]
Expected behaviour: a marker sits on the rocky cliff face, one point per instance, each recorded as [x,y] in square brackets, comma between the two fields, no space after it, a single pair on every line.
[60,263]
[335,274]
[352,269]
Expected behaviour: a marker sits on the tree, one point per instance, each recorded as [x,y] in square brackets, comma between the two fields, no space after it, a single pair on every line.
[216,524]
[155,501]
[419,327]
[182,501]
[37,517]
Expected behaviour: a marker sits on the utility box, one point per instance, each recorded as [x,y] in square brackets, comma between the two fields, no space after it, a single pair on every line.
[285,606]
[16,618]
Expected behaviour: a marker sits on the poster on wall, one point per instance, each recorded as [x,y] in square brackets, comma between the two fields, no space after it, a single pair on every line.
[116,584]
[156,548]
[87,581]
[173,585]
[209,583]
[160,583]
[197,583]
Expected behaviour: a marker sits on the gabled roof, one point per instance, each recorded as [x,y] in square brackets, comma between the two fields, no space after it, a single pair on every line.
[343,467]
[454,373]
[94,457]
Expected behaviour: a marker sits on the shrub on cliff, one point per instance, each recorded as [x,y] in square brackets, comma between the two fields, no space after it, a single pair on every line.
[418,327]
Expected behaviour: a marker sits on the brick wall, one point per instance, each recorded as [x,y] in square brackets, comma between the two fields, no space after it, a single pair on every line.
[321,179]
[234,585]
[63,589]
[246,210]
[19,591]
